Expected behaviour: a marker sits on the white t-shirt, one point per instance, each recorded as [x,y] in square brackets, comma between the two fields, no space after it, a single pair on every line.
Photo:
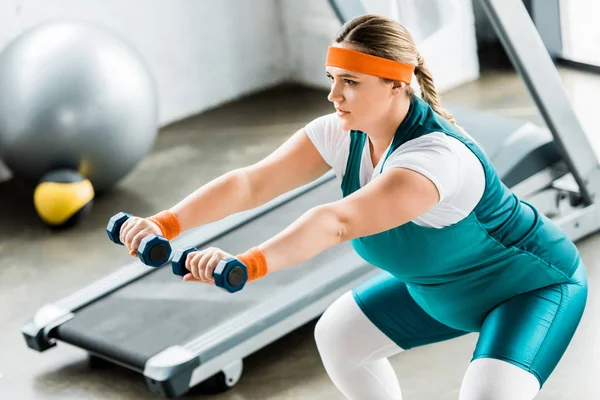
[447,162]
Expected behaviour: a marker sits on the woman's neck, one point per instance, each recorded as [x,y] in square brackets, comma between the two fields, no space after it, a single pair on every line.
[381,135]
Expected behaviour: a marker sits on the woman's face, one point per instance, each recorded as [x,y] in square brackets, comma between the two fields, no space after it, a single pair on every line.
[359,99]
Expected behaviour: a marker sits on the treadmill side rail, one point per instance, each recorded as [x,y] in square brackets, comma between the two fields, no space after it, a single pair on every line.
[579,223]
[169,372]
[196,237]
[283,314]
[36,331]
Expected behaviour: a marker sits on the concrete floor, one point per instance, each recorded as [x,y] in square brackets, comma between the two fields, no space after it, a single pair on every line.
[38,266]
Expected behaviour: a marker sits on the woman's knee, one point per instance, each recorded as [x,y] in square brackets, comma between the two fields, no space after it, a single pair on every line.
[333,327]
[345,334]
[492,379]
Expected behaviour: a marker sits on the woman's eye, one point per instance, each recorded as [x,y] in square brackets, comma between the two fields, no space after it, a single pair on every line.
[349,82]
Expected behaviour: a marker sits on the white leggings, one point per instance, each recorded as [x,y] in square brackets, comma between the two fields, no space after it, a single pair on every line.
[355,352]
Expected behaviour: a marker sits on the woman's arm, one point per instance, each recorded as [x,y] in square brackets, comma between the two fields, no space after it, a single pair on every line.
[396,197]
[295,163]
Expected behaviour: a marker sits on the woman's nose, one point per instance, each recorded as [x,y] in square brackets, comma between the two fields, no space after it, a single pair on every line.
[335,94]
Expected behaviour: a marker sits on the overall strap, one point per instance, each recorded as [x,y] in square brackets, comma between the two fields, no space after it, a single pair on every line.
[351,180]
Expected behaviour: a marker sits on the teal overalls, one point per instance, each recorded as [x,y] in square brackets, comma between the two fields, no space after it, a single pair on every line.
[505,271]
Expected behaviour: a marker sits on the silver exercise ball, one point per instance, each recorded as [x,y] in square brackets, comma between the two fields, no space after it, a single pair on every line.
[75,96]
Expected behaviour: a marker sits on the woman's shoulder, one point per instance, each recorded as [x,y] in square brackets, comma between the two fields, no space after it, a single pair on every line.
[445,160]
[325,124]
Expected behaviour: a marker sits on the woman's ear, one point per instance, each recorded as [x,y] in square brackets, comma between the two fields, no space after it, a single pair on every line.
[398,87]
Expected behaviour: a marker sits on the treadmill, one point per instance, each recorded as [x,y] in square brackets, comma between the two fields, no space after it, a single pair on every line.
[178,335]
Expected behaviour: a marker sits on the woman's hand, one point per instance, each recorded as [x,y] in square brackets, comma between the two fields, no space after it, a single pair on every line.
[202,264]
[134,230]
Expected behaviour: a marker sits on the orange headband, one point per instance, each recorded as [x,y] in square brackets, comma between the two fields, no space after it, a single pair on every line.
[367,64]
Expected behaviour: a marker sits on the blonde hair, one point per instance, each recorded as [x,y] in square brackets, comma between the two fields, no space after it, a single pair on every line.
[384,37]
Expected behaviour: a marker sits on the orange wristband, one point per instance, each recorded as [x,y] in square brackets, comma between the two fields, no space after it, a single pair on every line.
[168,224]
[255,261]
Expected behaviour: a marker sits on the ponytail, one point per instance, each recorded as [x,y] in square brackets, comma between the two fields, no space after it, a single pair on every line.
[429,92]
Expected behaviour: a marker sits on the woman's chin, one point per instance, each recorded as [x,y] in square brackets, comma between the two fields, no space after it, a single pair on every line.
[346,125]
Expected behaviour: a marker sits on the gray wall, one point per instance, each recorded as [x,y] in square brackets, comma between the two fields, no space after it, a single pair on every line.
[202,53]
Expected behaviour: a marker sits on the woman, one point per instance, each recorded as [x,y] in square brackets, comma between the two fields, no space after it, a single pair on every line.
[460,252]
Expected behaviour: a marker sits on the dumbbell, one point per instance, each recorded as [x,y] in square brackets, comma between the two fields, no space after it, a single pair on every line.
[154,250]
[230,274]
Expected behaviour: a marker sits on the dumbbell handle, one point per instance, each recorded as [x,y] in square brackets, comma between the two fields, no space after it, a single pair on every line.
[230,274]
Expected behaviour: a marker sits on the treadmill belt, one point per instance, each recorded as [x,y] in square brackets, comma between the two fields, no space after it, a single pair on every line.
[141,319]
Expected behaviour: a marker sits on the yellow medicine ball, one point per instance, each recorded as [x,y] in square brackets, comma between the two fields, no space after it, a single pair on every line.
[63,198]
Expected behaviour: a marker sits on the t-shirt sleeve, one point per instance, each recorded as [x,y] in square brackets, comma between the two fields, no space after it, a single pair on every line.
[330,140]
[433,156]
